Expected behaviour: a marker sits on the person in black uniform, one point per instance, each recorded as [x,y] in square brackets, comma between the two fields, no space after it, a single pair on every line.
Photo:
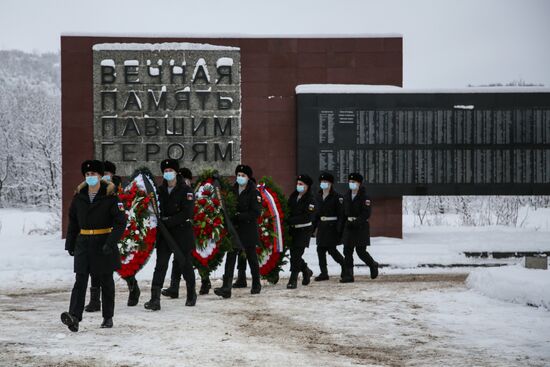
[176,202]
[301,205]
[241,263]
[109,175]
[173,290]
[357,209]
[96,222]
[249,206]
[329,223]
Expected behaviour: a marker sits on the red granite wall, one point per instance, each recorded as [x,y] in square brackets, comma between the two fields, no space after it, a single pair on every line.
[271,68]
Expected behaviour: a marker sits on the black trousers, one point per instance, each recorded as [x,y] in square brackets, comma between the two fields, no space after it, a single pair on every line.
[322,255]
[361,252]
[78,294]
[297,262]
[161,266]
[251,257]
[241,261]
[95,282]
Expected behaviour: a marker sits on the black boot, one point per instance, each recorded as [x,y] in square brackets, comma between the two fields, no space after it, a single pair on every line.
[343,272]
[107,323]
[205,286]
[70,320]
[241,280]
[95,303]
[191,297]
[154,303]
[374,270]
[307,273]
[256,286]
[348,276]
[293,281]
[321,277]
[174,290]
[225,290]
[133,296]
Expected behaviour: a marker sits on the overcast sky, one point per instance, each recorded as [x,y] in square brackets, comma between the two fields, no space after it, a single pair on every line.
[446,43]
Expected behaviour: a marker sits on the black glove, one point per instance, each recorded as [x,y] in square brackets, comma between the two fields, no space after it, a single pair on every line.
[71,252]
[107,250]
[235,218]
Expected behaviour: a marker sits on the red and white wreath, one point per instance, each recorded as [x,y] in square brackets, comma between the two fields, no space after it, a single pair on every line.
[138,239]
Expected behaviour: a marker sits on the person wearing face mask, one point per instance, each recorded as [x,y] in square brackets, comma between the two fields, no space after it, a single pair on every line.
[301,204]
[109,175]
[176,204]
[173,290]
[96,223]
[249,206]
[241,263]
[133,288]
[329,223]
[357,209]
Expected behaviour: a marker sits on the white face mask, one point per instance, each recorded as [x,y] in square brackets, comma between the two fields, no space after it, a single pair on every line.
[324,185]
[353,186]
[169,176]
[241,180]
[300,188]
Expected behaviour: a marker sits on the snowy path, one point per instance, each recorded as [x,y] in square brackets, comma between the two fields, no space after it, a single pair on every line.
[397,320]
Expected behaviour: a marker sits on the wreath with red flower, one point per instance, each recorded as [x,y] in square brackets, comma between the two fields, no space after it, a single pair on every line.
[273,230]
[138,239]
[211,238]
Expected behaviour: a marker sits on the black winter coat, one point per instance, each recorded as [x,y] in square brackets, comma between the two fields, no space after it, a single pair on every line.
[357,232]
[176,212]
[117,181]
[329,233]
[249,208]
[301,212]
[106,211]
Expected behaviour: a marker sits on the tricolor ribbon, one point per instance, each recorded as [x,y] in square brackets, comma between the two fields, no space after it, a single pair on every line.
[266,195]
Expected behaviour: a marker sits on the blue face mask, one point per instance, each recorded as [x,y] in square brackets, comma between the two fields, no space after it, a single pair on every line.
[353,186]
[106,178]
[324,185]
[92,180]
[242,180]
[300,188]
[169,176]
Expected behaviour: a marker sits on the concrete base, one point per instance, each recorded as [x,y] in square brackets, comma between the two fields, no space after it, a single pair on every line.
[536,262]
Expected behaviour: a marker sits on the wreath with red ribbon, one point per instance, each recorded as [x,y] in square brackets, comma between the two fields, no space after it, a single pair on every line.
[273,230]
[138,239]
[211,238]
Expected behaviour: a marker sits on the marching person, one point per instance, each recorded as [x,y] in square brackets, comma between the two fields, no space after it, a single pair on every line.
[241,264]
[302,213]
[109,175]
[176,202]
[357,209]
[329,223]
[173,290]
[96,223]
[249,204]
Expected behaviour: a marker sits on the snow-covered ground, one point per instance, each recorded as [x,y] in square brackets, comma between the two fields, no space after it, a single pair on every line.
[406,317]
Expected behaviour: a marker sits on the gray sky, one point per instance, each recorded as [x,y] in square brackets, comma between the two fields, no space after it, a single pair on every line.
[446,43]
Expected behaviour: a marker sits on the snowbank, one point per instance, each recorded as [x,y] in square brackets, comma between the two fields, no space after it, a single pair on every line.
[513,284]
[21,222]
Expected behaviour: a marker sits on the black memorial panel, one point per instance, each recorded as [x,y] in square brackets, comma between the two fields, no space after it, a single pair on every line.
[429,144]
